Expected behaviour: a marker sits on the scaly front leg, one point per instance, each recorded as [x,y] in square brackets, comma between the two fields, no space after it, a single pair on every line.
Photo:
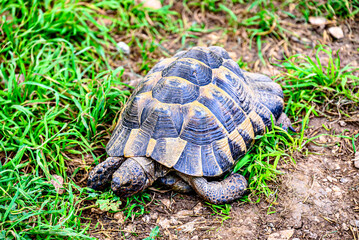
[101,175]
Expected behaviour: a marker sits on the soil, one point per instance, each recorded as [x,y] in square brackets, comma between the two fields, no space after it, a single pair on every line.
[318,197]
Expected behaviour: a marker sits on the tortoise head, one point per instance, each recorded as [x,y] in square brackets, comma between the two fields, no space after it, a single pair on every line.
[130,178]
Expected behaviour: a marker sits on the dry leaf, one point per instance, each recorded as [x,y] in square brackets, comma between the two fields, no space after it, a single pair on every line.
[58,182]
[120,217]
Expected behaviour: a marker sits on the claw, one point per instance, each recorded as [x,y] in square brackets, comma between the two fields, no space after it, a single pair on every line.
[284,122]
[292,128]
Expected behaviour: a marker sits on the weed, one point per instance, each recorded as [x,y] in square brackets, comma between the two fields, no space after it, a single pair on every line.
[354,139]
[260,163]
[243,65]
[222,211]
[329,9]
[154,233]
[260,25]
[135,205]
[309,82]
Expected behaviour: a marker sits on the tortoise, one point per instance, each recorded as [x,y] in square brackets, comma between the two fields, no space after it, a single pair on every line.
[187,123]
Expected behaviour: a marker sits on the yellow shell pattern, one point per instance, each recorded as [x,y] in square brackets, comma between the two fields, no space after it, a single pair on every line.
[196,112]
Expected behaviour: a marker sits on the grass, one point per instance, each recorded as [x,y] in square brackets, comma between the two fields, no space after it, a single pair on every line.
[261,162]
[329,9]
[59,98]
[62,87]
[56,116]
[221,212]
[311,82]
[154,234]
[310,88]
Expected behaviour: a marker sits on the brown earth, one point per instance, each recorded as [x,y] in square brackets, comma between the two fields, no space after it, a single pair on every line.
[317,198]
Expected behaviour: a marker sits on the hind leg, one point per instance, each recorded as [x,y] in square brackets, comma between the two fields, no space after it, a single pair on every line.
[219,192]
[175,183]
[284,122]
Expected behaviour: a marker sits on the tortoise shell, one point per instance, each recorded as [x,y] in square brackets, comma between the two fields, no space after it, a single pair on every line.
[196,112]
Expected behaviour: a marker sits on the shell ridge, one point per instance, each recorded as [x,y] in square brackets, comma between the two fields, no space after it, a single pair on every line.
[201,126]
[197,113]
[241,94]
[190,161]
[210,166]
[222,106]
[230,97]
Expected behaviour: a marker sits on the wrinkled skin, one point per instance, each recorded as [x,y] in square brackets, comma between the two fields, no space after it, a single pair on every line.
[137,173]
[126,176]
[284,122]
[131,177]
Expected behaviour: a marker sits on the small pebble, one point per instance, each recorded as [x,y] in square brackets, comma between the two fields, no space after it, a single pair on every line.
[345,227]
[334,166]
[146,218]
[310,234]
[124,48]
[166,202]
[342,123]
[354,223]
[281,235]
[154,215]
[336,32]
[184,213]
[233,55]
[154,4]
[344,180]
[331,179]
[163,222]
[337,191]
[317,21]
[58,182]
[174,221]
[322,139]
[198,209]
[356,160]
